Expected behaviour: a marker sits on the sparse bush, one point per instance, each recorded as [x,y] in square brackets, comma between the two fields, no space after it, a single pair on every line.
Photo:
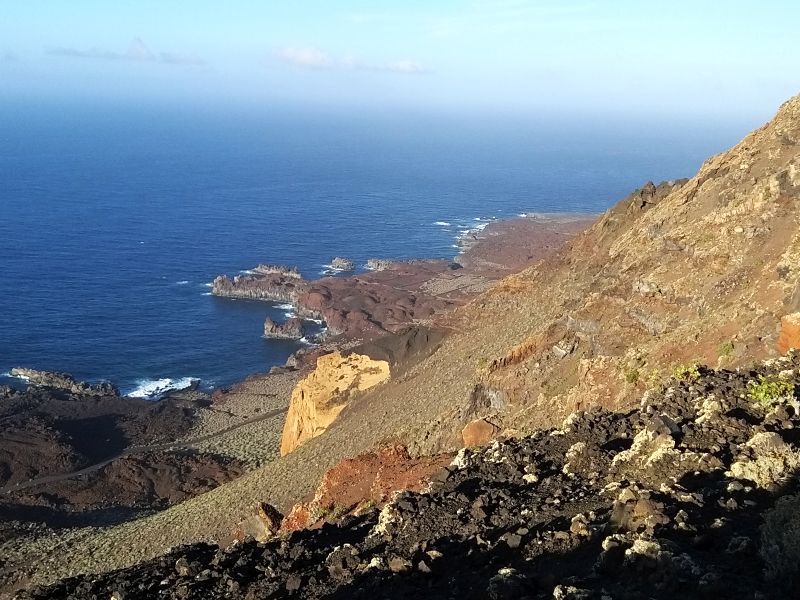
[687,372]
[726,348]
[632,376]
[770,392]
[483,362]
[780,542]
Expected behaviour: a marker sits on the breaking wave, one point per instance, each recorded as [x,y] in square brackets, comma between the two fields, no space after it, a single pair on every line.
[153,389]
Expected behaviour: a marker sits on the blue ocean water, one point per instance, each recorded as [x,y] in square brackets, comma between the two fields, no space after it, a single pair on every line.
[115,219]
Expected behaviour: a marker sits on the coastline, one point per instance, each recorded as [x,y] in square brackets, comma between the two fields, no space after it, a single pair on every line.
[233,431]
[387,295]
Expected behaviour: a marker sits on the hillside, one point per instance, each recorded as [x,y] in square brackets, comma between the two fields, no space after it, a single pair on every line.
[700,271]
[692,495]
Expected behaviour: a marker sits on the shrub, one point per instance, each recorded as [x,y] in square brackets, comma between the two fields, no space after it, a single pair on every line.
[770,392]
[689,372]
[726,348]
[780,542]
[632,376]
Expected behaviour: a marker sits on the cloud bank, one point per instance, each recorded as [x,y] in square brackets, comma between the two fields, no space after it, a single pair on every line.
[138,51]
[316,59]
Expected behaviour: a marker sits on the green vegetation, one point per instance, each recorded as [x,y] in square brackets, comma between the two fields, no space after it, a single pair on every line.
[686,372]
[483,362]
[632,376]
[726,348]
[770,392]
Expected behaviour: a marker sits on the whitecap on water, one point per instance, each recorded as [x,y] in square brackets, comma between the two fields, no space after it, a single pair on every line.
[182,282]
[208,285]
[207,294]
[285,306]
[442,223]
[153,389]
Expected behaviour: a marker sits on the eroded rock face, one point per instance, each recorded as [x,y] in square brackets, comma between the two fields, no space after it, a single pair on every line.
[291,329]
[319,398]
[357,484]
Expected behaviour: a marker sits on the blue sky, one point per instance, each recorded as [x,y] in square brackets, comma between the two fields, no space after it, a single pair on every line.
[696,57]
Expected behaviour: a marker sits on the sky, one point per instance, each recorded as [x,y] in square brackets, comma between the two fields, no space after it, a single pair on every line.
[699,57]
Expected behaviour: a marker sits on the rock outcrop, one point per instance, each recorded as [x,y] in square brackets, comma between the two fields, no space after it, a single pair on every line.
[319,398]
[63,381]
[378,264]
[291,329]
[357,484]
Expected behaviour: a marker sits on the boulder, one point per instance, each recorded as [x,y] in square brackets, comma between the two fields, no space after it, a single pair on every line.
[378,264]
[479,433]
[790,333]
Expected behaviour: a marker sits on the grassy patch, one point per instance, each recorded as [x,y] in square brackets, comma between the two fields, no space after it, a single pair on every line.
[726,348]
[632,376]
[770,392]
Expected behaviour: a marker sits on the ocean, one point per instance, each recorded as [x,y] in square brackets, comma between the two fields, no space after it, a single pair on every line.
[115,219]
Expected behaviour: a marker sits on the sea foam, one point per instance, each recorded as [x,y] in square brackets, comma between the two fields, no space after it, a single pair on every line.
[153,389]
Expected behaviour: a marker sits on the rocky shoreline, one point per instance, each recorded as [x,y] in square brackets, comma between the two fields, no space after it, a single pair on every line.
[395,294]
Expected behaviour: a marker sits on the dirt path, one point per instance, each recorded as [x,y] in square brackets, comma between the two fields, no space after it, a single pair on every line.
[138,450]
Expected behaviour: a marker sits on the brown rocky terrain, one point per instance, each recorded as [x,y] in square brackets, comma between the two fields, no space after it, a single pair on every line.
[73,452]
[702,271]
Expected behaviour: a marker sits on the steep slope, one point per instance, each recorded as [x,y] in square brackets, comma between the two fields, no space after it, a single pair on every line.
[696,271]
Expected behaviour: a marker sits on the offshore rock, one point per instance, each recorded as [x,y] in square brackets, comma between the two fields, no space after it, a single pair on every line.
[319,398]
[378,264]
[343,264]
[291,329]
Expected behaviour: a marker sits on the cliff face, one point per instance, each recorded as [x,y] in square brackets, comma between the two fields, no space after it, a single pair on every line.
[319,398]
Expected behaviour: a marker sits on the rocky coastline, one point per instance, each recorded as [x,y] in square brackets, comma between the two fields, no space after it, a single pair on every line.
[392,295]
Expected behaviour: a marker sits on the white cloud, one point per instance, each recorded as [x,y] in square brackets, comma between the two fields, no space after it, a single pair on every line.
[310,58]
[314,58]
[405,66]
[137,51]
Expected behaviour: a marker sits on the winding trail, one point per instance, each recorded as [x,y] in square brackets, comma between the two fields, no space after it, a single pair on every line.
[23,485]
